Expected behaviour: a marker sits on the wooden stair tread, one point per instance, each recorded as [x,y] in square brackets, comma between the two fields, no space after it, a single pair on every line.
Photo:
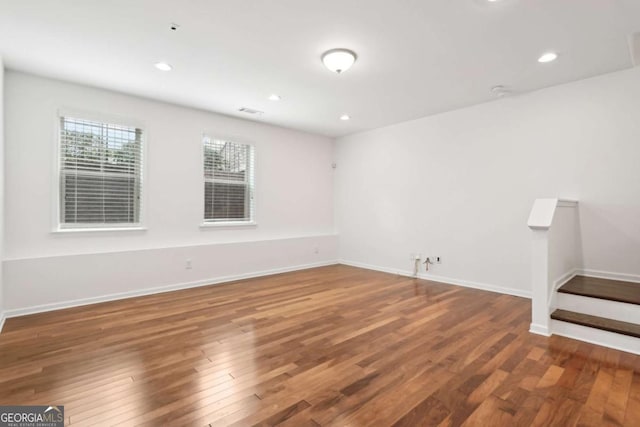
[610,325]
[613,290]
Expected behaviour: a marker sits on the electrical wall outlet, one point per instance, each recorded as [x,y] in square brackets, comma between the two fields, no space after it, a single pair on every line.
[435,259]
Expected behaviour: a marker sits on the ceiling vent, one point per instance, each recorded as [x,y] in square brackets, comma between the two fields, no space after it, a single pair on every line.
[634,48]
[250,111]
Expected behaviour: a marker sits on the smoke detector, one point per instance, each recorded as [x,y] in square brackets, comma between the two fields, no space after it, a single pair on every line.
[500,91]
[250,111]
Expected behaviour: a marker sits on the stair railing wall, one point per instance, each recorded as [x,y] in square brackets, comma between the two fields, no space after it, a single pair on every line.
[556,255]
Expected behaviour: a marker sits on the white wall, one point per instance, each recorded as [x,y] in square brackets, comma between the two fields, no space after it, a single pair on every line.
[565,246]
[294,198]
[47,283]
[460,184]
[556,255]
[1,190]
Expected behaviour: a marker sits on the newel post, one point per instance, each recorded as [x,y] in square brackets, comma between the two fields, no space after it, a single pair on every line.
[540,282]
[539,222]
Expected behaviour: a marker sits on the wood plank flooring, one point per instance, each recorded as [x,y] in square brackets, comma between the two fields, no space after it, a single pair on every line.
[329,346]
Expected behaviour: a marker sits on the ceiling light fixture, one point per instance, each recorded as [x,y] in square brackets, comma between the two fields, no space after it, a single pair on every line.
[338,60]
[163,66]
[274,97]
[548,57]
[345,117]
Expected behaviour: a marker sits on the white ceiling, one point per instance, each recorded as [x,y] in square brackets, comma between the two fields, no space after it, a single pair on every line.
[415,57]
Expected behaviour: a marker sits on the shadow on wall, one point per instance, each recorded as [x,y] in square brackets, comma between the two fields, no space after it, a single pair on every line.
[578,236]
[608,245]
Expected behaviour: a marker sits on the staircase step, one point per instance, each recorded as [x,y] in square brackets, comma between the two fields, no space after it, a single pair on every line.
[598,307]
[625,328]
[596,336]
[612,290]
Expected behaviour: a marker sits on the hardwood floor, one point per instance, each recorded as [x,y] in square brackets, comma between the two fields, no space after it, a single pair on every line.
[329,346]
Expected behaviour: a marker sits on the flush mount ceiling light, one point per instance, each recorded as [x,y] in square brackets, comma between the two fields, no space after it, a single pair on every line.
[345,117]
[548,57]
[163,66]
[274,97]
[338,60]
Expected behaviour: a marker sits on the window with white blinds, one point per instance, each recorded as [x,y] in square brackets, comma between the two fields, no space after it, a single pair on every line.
[100,174]
[228,181]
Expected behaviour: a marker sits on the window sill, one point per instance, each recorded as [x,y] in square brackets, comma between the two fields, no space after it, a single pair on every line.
[96,230]
[230,224]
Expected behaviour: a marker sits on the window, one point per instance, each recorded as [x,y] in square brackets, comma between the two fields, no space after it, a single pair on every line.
[228,182]
[100,174]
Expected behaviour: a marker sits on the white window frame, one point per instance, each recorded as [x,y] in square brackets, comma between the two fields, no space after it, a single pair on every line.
[58,226]
[251,182]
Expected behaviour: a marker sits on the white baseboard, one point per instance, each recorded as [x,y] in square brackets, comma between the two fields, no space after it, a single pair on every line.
[442,279]
[635,278]
[565,278]
[596,336]
[539,330]
[156,290]
[375,268]
[2,319]
[552,302]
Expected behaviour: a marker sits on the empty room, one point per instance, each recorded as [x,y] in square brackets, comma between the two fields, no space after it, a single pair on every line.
[319,213]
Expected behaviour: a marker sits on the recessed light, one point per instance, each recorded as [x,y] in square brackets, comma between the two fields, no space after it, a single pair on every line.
[338,60]
[274,97]
[163,66]
[548,57]
[345,117]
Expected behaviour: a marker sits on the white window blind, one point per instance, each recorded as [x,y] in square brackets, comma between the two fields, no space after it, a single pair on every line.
[228,181]
[100,174]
